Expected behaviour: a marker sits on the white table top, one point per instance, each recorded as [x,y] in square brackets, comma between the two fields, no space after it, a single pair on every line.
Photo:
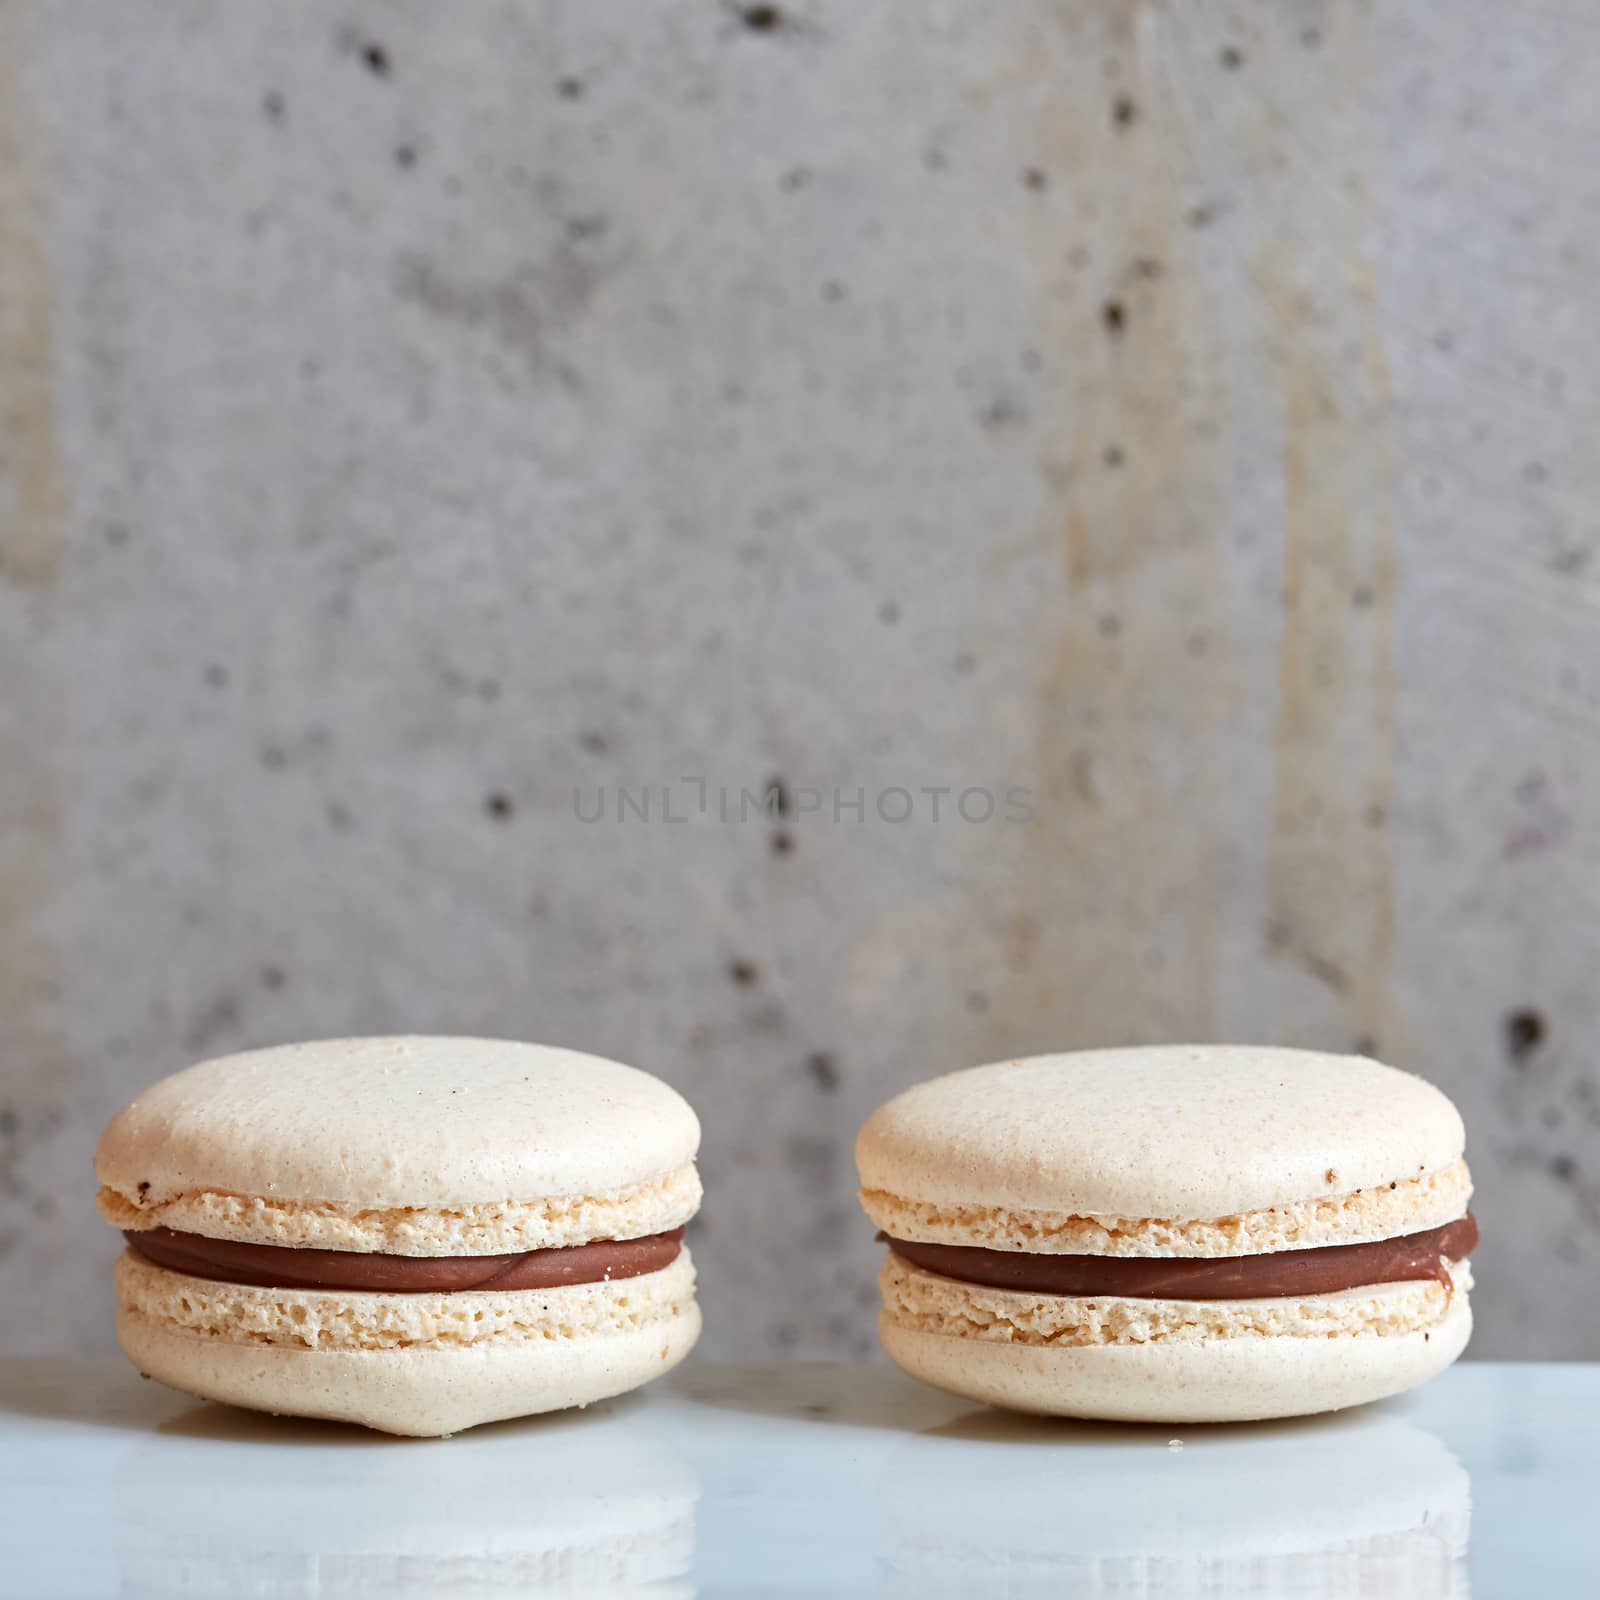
[805,1480]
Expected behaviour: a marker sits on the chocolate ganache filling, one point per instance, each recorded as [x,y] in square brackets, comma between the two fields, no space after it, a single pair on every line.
[272,1266]
[1275,1274]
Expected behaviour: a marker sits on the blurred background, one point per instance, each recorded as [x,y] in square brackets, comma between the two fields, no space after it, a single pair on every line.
[450,457]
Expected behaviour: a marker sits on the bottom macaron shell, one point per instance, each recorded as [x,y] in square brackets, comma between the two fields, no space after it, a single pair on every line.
[420,1393]
[1221,1380]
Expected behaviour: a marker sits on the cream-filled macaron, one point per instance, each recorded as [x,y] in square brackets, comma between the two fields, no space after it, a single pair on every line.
[417,1234]
[1182,1234]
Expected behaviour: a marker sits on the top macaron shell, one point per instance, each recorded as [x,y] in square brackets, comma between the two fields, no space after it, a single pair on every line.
[1191,1131]
[399,1122]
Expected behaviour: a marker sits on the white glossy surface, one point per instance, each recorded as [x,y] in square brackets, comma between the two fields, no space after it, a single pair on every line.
[807,1480]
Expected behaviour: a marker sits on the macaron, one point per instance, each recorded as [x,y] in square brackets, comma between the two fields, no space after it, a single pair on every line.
[416,1234]
[1201,1233]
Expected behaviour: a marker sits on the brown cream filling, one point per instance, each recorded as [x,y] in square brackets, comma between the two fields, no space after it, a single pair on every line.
[1274,1274]
[271,1266]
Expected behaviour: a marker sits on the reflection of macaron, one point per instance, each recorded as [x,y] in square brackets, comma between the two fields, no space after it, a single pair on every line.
[416,1234]
[1194,1233]
[592,1505]
[1361,1505]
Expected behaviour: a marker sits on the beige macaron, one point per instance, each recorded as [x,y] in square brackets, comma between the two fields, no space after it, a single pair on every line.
[1186,1233]
[417,1234]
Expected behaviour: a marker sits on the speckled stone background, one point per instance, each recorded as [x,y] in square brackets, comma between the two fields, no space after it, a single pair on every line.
[417,422]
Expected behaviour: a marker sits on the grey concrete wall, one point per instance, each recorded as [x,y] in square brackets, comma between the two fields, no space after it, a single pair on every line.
[412,414]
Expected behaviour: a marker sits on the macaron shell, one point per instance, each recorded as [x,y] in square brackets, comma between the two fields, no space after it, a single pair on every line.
[1385,1211]
[399,1122]
[656,1205]
[368,1322]
[932,1303]
[420,1393]
[1220,1380]
[1190,1131]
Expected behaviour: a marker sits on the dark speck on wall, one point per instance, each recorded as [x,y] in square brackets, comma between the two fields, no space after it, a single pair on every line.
[1112,456]
[1001,412]
[1115,317]
[1035,179]
[762,19]
[1524,1033]
[8,1123]
[1200,216]
[595,743]
[1230,58]
[405,156]
[1563,1169]
[1124,113]
[216,676]
[273,758]
[272,106]
[570,88]
[889,612]
[824,1070]
[273,978]
[499,806]
[782,843]
[744,973]
[375,59]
